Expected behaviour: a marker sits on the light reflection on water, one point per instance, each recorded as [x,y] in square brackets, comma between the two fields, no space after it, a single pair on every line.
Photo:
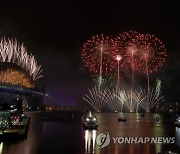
[68,136]
[178,135]
[1,147]
[90,140]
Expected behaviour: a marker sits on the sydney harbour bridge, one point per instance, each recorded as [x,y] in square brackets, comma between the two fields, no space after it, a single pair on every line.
[19,71]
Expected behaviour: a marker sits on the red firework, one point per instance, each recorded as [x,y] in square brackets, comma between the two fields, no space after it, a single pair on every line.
[151,53]
[126,47]
[99,56]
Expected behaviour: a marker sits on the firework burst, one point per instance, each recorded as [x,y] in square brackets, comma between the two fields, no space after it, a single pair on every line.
[13,52]
[148,98]
[97,98]
[98,55]
[128,99]
[126,47]
[113,100]
[124,43]
[151,53]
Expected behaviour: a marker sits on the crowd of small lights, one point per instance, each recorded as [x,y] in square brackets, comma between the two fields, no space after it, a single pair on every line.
[19,90]
[16,77]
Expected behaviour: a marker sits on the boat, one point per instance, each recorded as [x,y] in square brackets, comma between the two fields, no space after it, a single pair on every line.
[177,120]
[13,122]
[89,121]
[13,125]
[122,119]
[157,120]
[142,115]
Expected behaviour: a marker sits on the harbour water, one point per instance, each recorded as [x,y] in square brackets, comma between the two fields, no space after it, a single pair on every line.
[51,133]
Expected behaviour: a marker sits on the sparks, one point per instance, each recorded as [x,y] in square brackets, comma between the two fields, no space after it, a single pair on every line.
[98,55]
[13,52]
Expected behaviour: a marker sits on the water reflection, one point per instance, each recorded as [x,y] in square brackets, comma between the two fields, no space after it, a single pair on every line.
[1,147]
[178,136]
[90,141]
[55,136]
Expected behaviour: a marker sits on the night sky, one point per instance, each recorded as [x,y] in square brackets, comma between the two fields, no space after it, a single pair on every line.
[55,33]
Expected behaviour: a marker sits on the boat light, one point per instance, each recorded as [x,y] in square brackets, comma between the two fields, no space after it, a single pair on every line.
[94,119]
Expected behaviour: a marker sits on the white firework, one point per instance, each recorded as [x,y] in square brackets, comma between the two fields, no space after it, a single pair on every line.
[113,100]
[97,98]
[13,52]
[158,85]
[117,98]
[148,99]
[128,98]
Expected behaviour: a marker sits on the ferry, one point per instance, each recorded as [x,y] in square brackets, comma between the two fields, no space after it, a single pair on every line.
[90,121]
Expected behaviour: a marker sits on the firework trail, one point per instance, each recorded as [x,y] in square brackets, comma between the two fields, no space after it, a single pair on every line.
[158,86]
[98,55]
[13,52]
[97,98]
[151,53]
[127,48]
[126,97]
[118,58]
[100,81]
[143,53]
[112,99]
[148,99]
[117,98]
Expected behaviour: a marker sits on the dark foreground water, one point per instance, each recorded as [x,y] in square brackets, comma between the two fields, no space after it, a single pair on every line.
[52,133]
